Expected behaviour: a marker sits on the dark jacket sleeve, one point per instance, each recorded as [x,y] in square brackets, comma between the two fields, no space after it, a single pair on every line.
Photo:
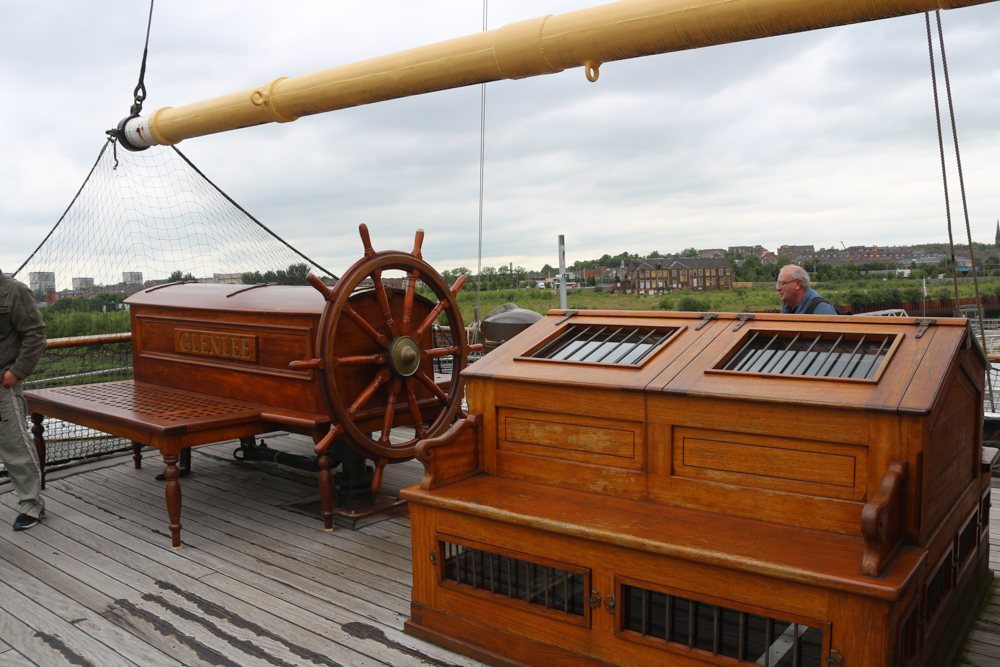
[27,320]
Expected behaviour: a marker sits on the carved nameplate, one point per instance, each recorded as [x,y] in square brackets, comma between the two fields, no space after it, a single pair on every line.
[214,344]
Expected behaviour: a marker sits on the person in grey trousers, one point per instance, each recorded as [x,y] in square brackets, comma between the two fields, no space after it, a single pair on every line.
[22,342]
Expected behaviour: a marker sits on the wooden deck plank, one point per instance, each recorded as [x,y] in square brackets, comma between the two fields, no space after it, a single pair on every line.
[86,587]
[222,546]
[313,547]
[42,636]
[175,590]
[239,500]
[11,658]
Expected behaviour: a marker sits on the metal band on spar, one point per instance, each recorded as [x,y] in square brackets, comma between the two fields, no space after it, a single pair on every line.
[546,45]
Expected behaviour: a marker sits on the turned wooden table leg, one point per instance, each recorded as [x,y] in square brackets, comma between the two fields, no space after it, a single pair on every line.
[137,454]
[171,474]
[36,430]
[326,490]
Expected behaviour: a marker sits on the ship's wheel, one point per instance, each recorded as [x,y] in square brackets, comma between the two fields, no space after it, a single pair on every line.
[377,353]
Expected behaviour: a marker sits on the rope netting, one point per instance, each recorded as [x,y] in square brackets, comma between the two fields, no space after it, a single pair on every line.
[139,219]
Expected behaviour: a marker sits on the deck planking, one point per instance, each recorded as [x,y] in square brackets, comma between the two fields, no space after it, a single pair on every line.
[258,581]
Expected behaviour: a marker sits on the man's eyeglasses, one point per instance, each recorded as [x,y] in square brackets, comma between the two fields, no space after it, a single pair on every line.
[782,283]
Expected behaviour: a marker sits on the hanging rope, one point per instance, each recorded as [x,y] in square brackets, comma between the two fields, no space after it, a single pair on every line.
[482,170]
[139,94]
[961,182]
[944,170]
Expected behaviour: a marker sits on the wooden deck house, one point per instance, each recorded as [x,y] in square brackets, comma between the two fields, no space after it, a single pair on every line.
[676,489]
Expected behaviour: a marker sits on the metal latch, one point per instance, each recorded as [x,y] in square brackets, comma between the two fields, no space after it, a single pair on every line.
[609,603]
[705,319]
[594,600]
[743,319]
[434,558]
[923,324]
[569,314]
[835,659]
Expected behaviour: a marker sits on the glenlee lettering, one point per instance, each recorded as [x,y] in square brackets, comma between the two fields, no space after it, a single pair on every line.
[215,344]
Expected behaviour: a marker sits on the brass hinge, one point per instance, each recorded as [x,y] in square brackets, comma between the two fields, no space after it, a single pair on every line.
[609,603]
[594,600]
[835,658]
[705,319]
[923,324]
[743,319]
[434,558]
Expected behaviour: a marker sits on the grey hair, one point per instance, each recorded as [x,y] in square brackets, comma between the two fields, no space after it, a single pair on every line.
[796,272]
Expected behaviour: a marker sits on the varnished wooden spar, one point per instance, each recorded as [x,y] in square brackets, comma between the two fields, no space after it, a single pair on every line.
[545,45]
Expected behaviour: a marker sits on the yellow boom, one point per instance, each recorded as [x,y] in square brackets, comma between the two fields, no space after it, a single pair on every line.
[585,38]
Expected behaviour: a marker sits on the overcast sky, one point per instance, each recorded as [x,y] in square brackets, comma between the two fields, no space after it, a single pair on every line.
[814,138]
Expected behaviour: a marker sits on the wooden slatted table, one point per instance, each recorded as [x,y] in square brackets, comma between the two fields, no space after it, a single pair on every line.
[168,419]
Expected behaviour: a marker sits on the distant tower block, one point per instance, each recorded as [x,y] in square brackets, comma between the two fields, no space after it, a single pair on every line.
[132,277]
[83,283]
[42,280]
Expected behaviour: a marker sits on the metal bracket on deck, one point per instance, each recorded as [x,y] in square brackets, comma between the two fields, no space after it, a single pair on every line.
[923,324]
[743,319]
[705,319]
[569,314]
[594,599]
[835,659]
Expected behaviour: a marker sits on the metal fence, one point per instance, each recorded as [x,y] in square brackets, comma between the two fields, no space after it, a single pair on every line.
[80,360]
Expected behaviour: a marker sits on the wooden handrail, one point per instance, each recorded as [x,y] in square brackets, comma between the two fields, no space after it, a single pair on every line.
[83,341]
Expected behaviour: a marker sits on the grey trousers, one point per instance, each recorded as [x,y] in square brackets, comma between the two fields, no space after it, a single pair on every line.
[18,451]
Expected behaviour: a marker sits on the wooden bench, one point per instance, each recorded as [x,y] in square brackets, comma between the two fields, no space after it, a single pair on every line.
[682,488]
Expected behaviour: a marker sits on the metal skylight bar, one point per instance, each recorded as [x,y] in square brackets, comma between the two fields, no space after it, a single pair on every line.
[591,339]
[612,348]
[805,355]
[828,354]
[555,354]
[557,341]
[762,358]
[877,360]
[780,356]
[736,357]
[652,347]
[634,345]
[848,373]
[753,355]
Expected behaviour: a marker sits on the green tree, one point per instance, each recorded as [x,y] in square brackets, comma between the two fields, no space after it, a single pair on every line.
[690,252]
[177,277]
[693,304]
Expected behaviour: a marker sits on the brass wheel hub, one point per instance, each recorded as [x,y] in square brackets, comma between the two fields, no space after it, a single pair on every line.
[404,356]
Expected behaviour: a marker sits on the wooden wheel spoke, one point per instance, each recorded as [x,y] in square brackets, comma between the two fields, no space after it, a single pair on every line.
[429,320]
[369,391]
[335,431]
[364,326]
[442,351]
[411,288]
[430,384]
[390,411]
[418,422]
[383,302]
[359,360]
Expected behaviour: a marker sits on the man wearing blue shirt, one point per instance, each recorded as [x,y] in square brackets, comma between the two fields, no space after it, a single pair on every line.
[796,295]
